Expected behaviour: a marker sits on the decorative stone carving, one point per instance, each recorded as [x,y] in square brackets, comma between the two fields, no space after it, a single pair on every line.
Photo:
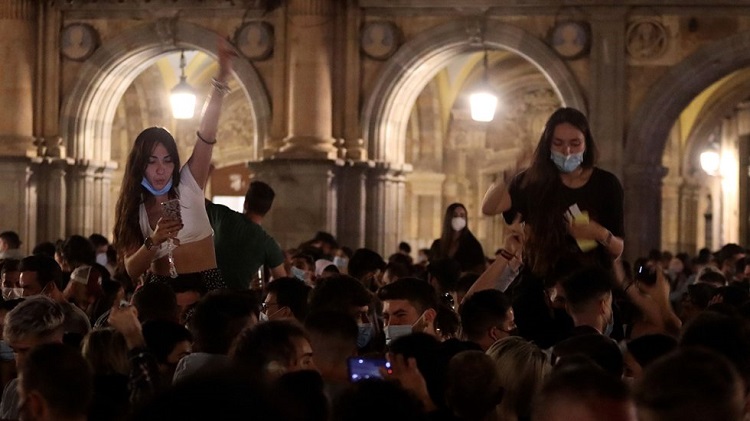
[255,40]
[78,41]
[646,39]
[570,39]
[380,39]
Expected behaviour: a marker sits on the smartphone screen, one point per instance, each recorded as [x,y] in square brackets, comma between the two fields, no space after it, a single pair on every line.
[361,368]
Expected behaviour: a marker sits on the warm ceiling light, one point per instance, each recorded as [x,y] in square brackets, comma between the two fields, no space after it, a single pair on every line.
[483,103]
[183,96]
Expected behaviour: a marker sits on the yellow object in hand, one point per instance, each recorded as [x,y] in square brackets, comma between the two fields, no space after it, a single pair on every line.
[583,244]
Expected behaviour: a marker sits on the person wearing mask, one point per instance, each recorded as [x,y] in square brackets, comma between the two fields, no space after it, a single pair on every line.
[150,236]
[457,242]
[572,217]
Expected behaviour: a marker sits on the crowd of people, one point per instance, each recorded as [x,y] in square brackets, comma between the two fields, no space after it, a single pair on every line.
[195,311]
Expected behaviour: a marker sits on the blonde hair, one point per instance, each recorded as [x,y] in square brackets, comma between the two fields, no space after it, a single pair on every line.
[106,351]
[522,367]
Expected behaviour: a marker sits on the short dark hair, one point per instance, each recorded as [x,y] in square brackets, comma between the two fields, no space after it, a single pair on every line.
[79,250]
[333,335]
[473,385]
[325,237]
[155,301]
[578,382]
[98,240]
[219,317]
[61,375]
[417,292]
[11,238]
[259,198]
[364,261]
[482,310]
[9,265]
[267,342]
[46,248]
[161,336]
[587,285]
[405,247]
[647,348]
[600,349]
[367,397]
[292,293]
[729,336]
[338,293]
[690,384]
[46,268]
[712,277]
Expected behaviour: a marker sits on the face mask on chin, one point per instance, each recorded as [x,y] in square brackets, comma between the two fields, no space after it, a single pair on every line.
[299,273]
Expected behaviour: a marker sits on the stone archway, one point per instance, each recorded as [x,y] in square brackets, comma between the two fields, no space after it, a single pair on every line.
[386,113]
[649,129]
[88,111]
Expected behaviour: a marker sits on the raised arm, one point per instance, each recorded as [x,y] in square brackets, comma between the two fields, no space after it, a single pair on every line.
[200,160]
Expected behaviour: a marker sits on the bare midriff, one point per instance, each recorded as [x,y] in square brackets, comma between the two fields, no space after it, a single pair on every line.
[189,258]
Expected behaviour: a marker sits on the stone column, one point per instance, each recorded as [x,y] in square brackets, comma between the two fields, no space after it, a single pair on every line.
[306,197]
[690,193]
[18,46]
[52,191]
[670,209]
[18,194]
[352,201]
[607,88]
[309,48]
[81,203]
[385,207]
[643,183]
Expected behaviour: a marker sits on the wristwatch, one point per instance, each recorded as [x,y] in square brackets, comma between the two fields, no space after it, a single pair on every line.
[148,243]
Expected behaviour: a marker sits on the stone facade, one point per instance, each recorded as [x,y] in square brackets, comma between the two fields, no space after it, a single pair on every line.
[355,111]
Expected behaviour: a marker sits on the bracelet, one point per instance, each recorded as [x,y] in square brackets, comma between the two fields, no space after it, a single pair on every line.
[607,239]
[197,133]
[506,254]
[222,87]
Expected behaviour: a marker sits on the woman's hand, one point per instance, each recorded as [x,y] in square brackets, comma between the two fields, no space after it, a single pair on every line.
[226,54]
[166,229]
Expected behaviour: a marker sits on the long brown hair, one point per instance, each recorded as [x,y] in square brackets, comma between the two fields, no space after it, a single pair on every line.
[446,237]
[127,233]
[546,222]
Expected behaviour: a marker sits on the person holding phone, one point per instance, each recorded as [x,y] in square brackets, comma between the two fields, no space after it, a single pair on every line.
[572,213]
[153,176]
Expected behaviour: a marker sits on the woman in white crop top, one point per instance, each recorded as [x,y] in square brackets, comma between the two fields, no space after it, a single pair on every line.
[153,176]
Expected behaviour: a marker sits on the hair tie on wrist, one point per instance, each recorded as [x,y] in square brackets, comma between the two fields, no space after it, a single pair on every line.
[506,254]
[198,133]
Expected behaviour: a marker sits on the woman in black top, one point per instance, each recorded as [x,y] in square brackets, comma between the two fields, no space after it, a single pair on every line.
[457,242]
[573,215]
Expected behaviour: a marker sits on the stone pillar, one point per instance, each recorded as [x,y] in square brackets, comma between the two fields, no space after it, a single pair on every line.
[52,191]
[670,209]
[18,46]
[385,207]
[643,183]
[306,197]
[352,202]
[18,195]
[81,205]
[309,48]
[607,87]
[690,193]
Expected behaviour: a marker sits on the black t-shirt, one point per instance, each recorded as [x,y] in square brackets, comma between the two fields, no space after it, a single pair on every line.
[601,197]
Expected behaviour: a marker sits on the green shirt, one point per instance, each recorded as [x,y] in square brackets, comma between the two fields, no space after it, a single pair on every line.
[241,245]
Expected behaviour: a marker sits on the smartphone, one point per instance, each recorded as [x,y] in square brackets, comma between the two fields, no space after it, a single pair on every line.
[171,209]
[645,274]
[361,368]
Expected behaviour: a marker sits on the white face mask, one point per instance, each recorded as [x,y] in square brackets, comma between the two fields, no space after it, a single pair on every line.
[11,293]
[101,258]
[458,223]
[263,317]
[393,332]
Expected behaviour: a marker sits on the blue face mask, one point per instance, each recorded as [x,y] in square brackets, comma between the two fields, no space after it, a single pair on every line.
[155,192]
[568,163]
[298,273]
[365,334]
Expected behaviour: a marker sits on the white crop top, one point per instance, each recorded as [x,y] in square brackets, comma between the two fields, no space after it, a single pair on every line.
[193,210]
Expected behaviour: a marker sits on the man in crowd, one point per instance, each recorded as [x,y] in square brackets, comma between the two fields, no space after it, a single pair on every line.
[242,245]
